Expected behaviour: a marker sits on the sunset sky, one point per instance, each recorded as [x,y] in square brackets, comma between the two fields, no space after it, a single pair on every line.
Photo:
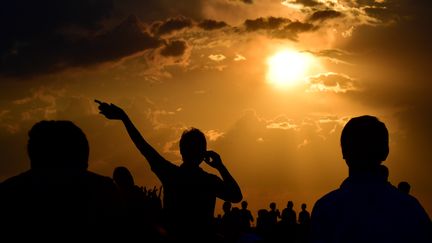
[270,82]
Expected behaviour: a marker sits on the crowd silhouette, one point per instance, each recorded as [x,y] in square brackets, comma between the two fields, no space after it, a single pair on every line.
[58,198]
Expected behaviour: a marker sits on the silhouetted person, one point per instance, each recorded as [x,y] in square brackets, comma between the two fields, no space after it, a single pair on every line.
[263,226]
[304,216]
[304,224]
[367,208]
[289,216]
[189,192]
[287,227]
[141,217]
[58,195]
[245,216]
[274,214]
[404,187]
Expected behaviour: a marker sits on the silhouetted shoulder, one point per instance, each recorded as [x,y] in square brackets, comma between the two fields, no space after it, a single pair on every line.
[18,180]
[377,209]
[164,169]
[16,187]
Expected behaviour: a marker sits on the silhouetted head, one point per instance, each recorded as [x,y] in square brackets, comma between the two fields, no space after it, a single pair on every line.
[273,206]
[226,207]
[122,177]
[57,145]
[235,211]
[193,146]
[364,142]
[244,204]
[290,204]
[303,206]
[404,187]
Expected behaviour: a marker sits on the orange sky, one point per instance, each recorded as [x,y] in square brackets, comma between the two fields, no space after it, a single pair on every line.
[205,64]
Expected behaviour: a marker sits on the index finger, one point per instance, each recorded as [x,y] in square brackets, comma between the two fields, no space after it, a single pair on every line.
[98,101]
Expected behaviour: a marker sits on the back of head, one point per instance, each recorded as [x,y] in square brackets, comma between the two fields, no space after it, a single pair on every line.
[57,145]
[193,146]
[404,187]
[290,204]
[122,177]
[364,142]
[244,204]
[226,207]
[273,205]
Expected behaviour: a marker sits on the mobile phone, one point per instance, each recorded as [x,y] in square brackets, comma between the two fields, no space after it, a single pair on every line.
[207,157]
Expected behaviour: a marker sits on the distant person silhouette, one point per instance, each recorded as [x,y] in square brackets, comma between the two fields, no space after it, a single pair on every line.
[58,195]
[304,216]
[366,207]
[263,226]
[287,227]
[140,219]
[304,225]
[289,216]
[274,214]
[189,192]
[245,216]
[404,187]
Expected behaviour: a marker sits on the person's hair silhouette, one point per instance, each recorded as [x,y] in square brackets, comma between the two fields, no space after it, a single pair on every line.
[404,187]
[123,178]
[364,142]
[57,144]
[366,207]
[226,207]
[58,195]
[193,146]
[189,192]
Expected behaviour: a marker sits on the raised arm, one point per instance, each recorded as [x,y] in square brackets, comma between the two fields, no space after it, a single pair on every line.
[230,190]
[114,112]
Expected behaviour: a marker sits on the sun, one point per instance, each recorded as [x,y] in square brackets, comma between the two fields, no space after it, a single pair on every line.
[287,68]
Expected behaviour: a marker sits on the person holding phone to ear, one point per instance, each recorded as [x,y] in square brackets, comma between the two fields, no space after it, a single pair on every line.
[189,192]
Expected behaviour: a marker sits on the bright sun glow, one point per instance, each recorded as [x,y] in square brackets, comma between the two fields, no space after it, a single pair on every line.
[287,68]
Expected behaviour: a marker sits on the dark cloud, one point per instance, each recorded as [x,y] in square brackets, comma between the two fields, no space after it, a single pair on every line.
[210,24]
[325,15]
[171,25]
[292,30]
[269,23]
[243,1]
[56,51]
[32,31]
[157,10]
[174,48]
[24,20]
[124,40]
[307,3]
[404,38]
[279,27]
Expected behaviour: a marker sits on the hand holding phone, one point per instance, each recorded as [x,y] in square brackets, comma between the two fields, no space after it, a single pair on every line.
[213,159]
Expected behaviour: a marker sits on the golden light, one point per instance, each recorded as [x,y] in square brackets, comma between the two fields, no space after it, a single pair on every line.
[287,68]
